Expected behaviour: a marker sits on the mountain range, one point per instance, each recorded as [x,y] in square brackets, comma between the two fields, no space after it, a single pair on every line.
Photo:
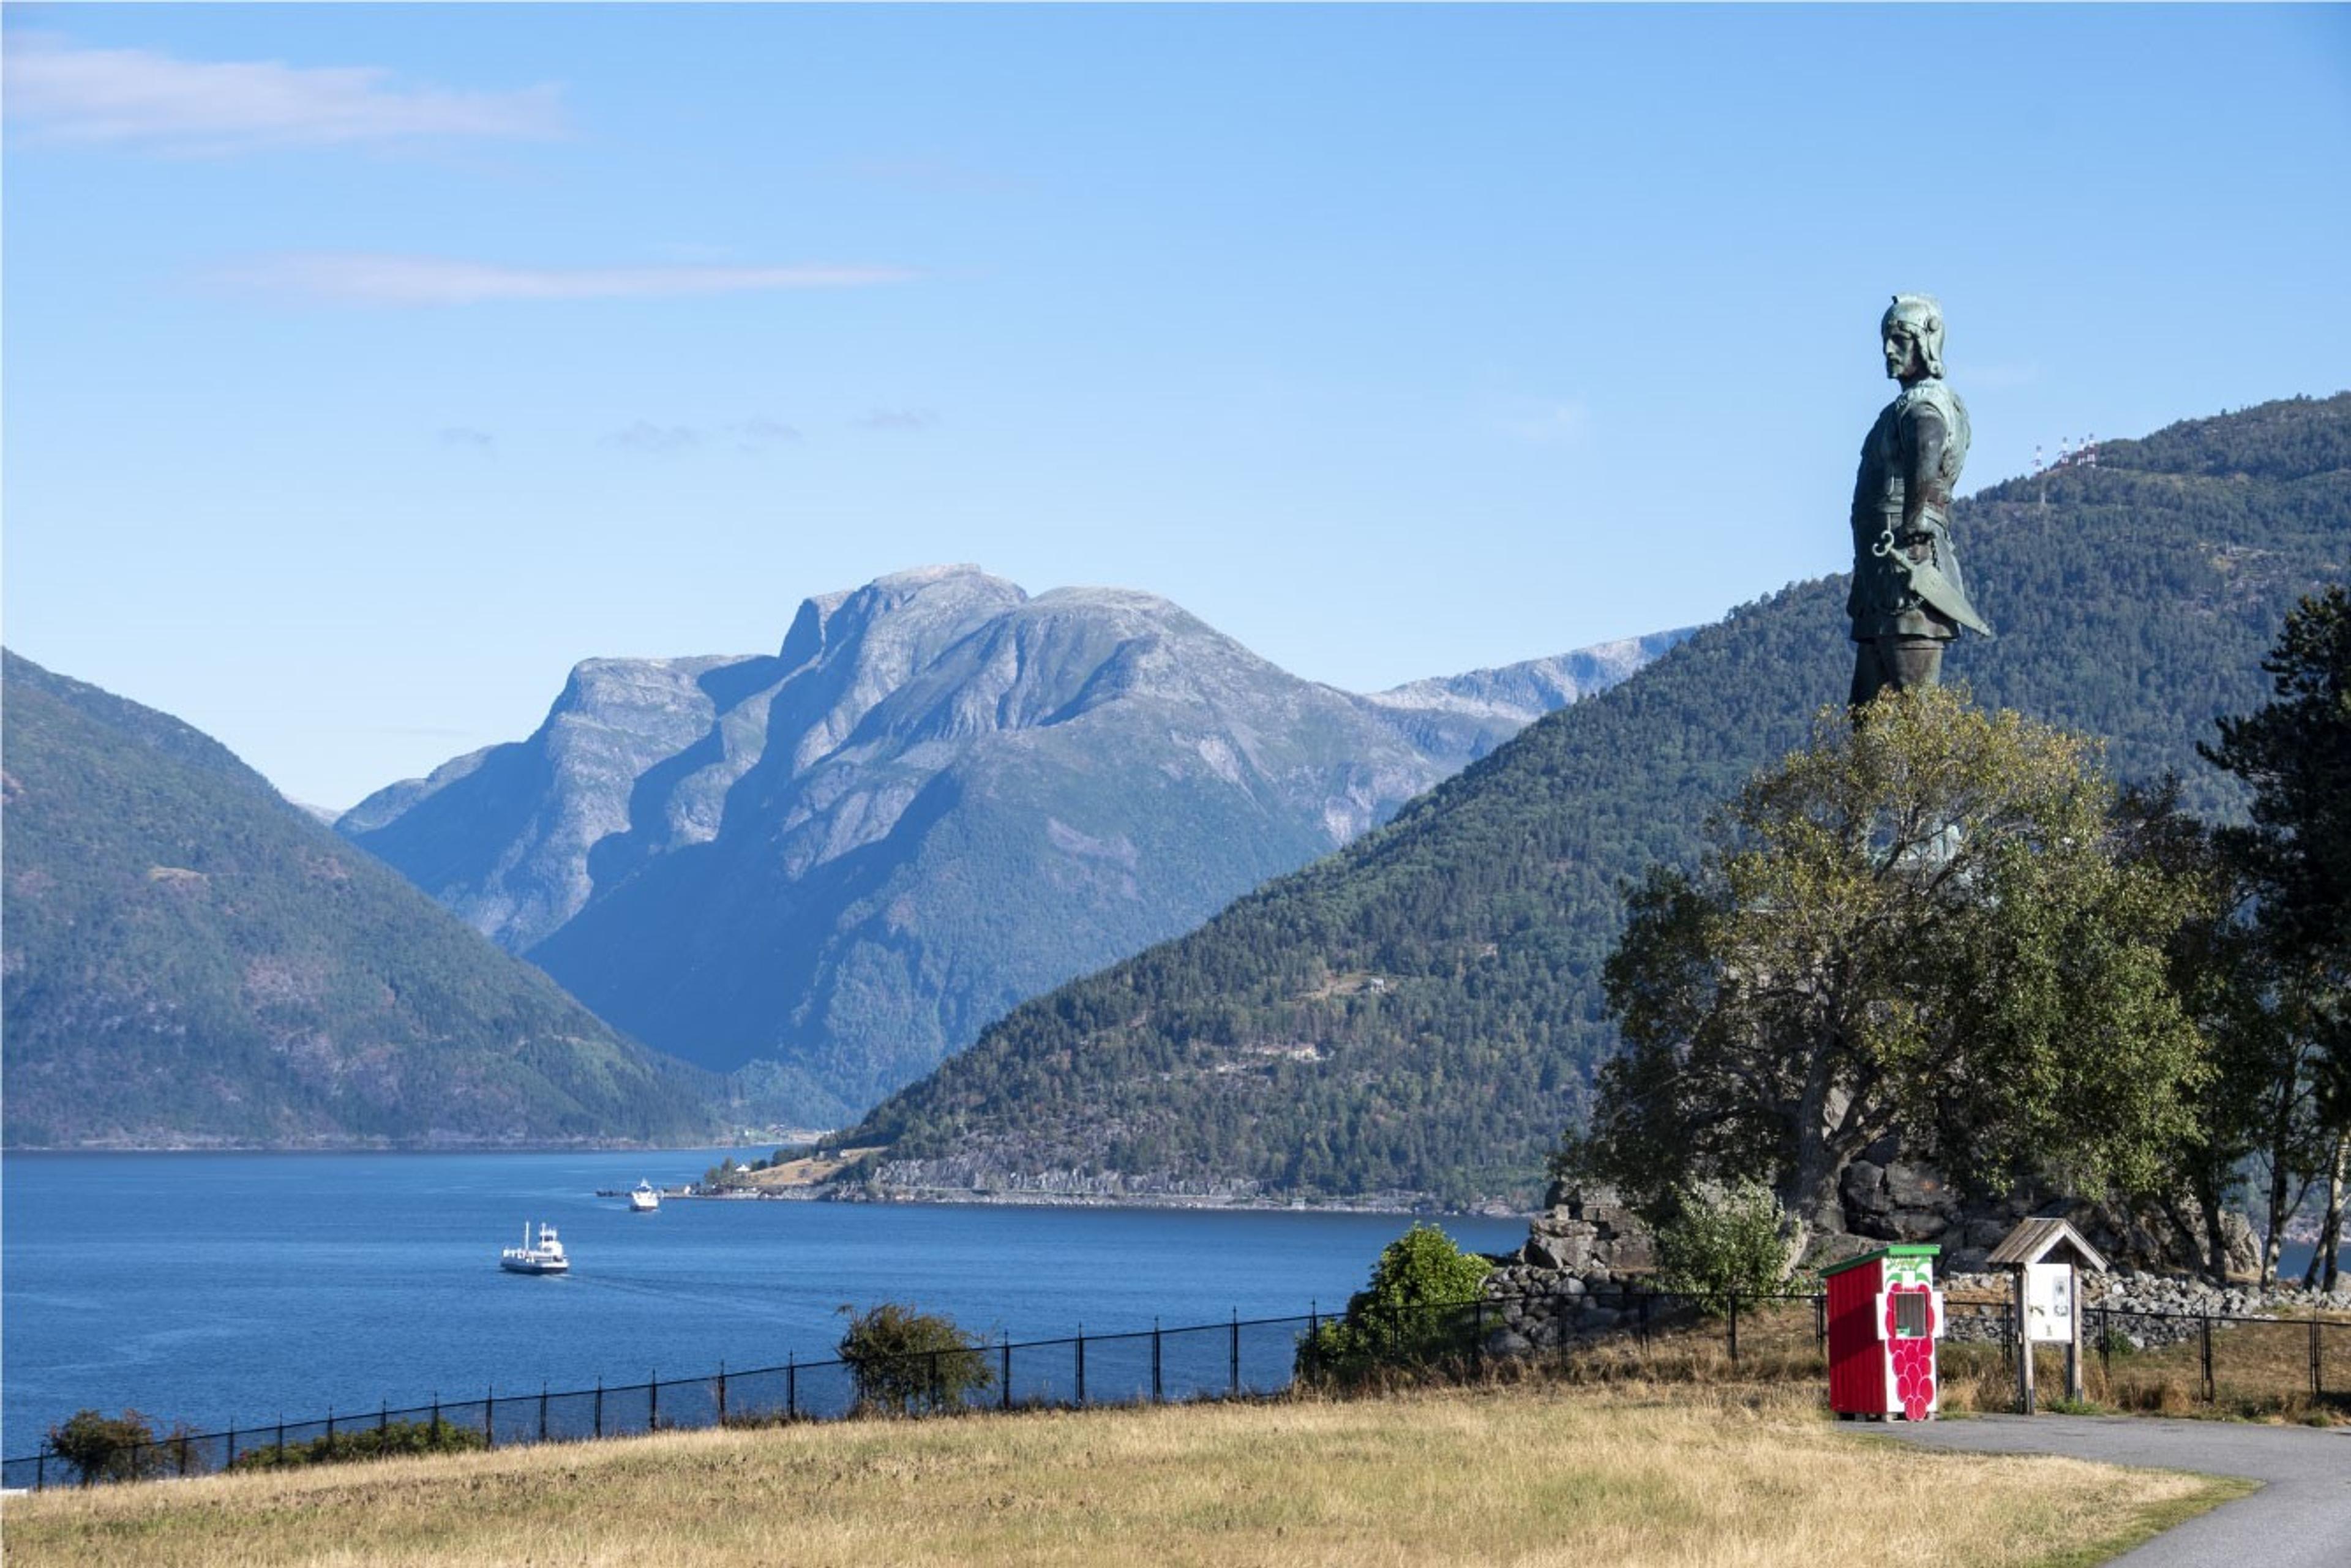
[1418,1015]
[192,960]
[825,868]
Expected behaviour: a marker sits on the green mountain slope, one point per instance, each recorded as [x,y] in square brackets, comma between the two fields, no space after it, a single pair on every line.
[1420,1013]
[191,959]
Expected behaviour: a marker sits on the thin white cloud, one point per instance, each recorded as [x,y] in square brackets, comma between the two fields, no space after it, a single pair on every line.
[646,436]
[1561,422]
[751,436]
[359,279]
[61,92]
[469,439]
[760,435]
[905,421]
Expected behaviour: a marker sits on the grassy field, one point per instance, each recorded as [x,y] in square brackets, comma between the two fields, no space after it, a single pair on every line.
[2261,1371]
[1532,1474]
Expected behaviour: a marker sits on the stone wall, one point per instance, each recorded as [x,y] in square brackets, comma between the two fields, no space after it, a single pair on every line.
[1588,1257]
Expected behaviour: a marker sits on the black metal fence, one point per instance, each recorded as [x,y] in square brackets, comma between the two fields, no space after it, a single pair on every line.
[1778,1335]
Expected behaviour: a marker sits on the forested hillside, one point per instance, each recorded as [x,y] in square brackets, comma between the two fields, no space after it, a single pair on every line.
[1421,1013]
[192,960]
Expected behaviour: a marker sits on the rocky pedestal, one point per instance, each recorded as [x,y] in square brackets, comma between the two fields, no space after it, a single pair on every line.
[1585,1255]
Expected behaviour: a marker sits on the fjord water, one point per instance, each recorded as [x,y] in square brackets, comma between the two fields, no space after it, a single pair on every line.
[226,1289]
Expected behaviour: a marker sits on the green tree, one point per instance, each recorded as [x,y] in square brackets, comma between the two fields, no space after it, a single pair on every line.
[905,1361]
[102,1448]
[2295,752]
[1406,1315]
[1922,922]
[1722,1240]
[394,1439]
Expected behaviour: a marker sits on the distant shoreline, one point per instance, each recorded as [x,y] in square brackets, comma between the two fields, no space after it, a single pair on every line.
[595,1147]
[964,1196]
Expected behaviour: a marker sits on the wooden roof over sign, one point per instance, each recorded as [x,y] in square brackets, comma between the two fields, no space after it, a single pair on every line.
[2035,1240]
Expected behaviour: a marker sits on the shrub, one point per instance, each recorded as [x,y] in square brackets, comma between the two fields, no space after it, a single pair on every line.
[1412,1314]
[390,1440]
[903,1361]
[102,1448]
[1717,1240]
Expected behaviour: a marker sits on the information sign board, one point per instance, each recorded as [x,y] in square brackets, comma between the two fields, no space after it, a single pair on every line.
[2049,1303]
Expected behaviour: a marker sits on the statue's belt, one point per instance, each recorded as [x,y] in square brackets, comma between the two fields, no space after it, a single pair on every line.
[1925,580]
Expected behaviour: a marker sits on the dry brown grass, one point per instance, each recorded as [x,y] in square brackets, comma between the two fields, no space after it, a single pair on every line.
[2261,1371]
[1535,1474]
[802,1172]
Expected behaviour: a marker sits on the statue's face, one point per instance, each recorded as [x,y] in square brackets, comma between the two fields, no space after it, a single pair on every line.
[1903,360]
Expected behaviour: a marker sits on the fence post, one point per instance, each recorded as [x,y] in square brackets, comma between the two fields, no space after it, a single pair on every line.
[231,1450]
[1081,1364]
[722,1394]
[1478,1332]
[183,1445]
[41,1470]
[1648,1297]
[1155,1398]
[653,1400]
[2317,1377]
[1004,1373]
[599,1408]
[490,1416]
[1233,1356]
[1734,1329]
[939,1389]
[383,1416]
[2206,1321]
[1819,1320]
[542,1410]
[281,1437]
[792,1387]
[330,1431]
[436,1418]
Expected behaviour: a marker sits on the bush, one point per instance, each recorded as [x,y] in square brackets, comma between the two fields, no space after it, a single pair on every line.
[903,1361]
[390,1440]
[102,1448]
[1717,1240]
[1416,1310]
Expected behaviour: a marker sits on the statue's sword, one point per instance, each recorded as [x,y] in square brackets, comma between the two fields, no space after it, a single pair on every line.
[1928,581]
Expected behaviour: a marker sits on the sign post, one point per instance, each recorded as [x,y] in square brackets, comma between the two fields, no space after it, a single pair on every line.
[2047,1255]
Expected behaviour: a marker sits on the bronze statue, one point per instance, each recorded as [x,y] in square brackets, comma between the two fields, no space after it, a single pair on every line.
[1908,598]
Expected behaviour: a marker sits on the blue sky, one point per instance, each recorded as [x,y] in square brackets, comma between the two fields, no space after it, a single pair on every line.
[366,366]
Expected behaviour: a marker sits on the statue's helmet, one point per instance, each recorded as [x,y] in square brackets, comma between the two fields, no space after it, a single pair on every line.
[1923,314]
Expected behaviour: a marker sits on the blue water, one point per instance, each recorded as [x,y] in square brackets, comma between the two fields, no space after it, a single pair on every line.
[228,1288]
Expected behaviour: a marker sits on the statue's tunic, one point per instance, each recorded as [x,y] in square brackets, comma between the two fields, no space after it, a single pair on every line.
[1882,604]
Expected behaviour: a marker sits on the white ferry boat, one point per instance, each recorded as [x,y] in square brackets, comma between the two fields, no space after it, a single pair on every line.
[642,1198]
[545,1256]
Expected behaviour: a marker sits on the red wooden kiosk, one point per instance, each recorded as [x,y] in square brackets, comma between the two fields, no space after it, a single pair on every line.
[1885,1316]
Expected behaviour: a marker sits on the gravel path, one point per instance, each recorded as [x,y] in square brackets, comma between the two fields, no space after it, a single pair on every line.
[2300,1519]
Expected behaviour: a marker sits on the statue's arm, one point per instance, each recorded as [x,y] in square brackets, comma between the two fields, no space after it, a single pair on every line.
[1923,483]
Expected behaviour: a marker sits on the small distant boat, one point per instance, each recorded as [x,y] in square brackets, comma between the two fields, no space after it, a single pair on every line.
[642,1198]
[544,1257]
